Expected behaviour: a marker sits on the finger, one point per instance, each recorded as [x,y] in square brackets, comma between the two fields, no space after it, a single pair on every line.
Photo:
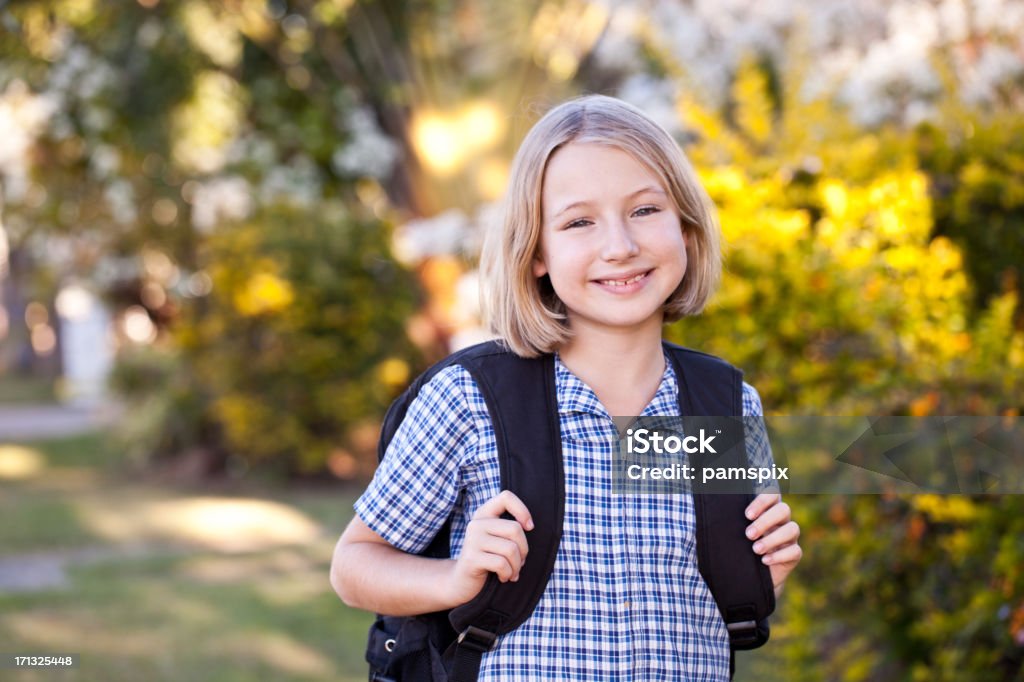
[506,549]
[790,554]
[506,501]
[502,528]
[776,515]
[494,563]
[780,537]
[760,503]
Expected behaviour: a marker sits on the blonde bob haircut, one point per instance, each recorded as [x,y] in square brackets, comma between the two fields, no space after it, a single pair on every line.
[524,310]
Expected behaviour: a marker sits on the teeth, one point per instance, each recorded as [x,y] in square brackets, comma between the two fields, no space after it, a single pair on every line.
[623,282]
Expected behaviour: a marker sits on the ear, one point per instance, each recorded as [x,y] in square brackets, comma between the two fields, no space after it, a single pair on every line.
[539,267]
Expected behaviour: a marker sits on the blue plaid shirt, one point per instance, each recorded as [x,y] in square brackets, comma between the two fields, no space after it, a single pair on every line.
[625,600]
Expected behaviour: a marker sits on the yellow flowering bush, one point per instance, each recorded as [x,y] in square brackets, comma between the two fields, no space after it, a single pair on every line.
[852,287]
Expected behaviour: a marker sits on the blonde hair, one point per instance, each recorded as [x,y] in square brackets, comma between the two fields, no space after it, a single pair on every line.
[524,310]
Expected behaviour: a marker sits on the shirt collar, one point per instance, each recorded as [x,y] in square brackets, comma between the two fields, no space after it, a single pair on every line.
[576,397]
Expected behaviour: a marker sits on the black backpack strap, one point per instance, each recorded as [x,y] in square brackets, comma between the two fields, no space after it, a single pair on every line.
[740,583]
[523,405]
[440,544]
[521,398]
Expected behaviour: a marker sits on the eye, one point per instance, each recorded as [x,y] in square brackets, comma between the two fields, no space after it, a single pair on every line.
[645,211]
[580,222]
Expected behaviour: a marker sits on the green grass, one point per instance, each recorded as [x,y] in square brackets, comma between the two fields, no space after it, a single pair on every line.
[43,510]
[163,608]
[40,522]
[90,451]
[269,615]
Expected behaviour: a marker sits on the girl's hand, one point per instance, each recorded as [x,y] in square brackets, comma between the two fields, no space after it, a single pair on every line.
[775,536]
[492,545]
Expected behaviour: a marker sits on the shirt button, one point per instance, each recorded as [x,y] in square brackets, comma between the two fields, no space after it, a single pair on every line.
[625,604]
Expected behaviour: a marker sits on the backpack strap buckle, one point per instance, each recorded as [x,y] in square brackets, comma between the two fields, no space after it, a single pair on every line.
[477,639]
[743,633]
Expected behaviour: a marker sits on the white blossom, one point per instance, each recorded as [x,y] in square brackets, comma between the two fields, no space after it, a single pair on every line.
[221,199]
[252,147]
[488,219]
[149,33]
[54,250]
[112,269]
[79,75]
[443,234]
[655,96]
[877,55]
[893,74]
[104,161]
[995,66]
[369,151]
[5,248]
[953,19]
[298,183]
[120,197]
[67,71]
[618,47]
[23,117]
[998,16]
[467,294]
[684,33]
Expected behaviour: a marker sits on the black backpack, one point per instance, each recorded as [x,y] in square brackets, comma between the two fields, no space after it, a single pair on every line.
[520,396]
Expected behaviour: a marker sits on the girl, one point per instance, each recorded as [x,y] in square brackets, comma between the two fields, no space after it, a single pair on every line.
[607,236]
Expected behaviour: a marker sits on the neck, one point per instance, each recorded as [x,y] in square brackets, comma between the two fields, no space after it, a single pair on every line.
[623,367]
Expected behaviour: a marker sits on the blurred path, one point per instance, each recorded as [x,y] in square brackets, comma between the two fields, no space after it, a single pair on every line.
[47,570]
[31,422]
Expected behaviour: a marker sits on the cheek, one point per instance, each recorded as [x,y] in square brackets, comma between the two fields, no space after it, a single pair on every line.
[679,245]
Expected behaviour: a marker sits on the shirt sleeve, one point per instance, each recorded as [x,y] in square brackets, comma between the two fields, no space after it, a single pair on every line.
[417,483]
[759,450]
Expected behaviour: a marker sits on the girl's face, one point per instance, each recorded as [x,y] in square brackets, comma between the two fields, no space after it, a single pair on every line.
[611,239]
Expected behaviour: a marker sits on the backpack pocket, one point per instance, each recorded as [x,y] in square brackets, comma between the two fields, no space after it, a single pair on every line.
[401,649]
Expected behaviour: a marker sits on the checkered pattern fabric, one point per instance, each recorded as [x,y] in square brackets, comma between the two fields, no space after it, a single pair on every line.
[625,600]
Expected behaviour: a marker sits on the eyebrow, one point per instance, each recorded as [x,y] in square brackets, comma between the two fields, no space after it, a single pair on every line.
[642,190]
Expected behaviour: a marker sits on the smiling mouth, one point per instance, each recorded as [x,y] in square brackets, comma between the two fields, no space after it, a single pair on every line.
[624,282]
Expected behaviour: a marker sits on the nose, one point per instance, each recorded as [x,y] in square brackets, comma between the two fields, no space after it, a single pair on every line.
[618,242]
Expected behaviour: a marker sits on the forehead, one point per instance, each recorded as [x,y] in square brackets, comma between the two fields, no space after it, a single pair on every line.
[584,171]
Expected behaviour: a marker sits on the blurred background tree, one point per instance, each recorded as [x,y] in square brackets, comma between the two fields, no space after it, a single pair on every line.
[203,168]
[281,203]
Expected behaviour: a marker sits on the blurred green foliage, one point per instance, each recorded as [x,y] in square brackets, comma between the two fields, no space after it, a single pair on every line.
[215,165]
[922,587]
[976,168]
[300,340]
